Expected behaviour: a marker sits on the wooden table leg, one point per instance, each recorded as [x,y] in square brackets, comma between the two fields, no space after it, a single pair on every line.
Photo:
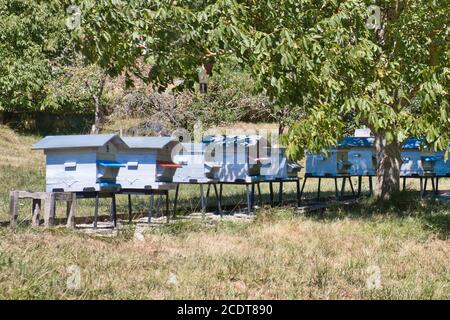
[35,211]
[130,209]
[150,209]
[13,208]
[271,193]
[49,214]
[175,201]
[71,205]
[167,206]
[96,210]
[218,200]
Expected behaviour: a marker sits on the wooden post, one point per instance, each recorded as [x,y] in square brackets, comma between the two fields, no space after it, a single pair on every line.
[218,200]
[71,205]
[271,193]
[252,195]
[343,188]
[49,214]
[175,201]
[280,194]
[167,207]
[96,210]
[113,213]
[13,208]
[336,189]
[130,209]
[303,186]
[203,200]
[437,186]
[150,209]
[297,184]
[359,185]
[318,189]
[259,195]
[159,205]
[351,186]
[249,205]
[35,212]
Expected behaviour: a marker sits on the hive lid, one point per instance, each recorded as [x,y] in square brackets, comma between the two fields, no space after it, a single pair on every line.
[148,142]
[354,142]
[413,143]
[77,141]
[238,139]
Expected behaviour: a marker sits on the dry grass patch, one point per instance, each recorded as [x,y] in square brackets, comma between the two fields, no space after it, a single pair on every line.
[286,256]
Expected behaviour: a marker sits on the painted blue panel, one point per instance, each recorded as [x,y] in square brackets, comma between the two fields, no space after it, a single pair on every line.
[110,164]
[413,143]
[357,142]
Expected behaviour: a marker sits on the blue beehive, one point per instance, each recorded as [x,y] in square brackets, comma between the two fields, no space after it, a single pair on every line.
[278,167]
[322,165]
[353,156]
[412,158]
[196,164]
[76,163]
[240,156]
[442,167]
[361,155]
[418,160]
[148,163]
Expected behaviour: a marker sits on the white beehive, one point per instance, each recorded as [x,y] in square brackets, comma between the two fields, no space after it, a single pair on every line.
[148,163]
[354,156]
[76,163]
[361,155]
[412,158]
[278,167]
[240,156]
[196,164]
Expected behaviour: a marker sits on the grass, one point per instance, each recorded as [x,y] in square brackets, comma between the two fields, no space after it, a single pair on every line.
[398,250]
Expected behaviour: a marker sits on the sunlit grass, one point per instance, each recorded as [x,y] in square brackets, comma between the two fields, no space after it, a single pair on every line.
[280,254]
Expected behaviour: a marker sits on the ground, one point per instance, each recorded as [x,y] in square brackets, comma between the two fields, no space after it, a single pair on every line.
[365,250]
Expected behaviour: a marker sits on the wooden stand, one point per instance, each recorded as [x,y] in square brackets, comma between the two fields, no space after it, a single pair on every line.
[50,199]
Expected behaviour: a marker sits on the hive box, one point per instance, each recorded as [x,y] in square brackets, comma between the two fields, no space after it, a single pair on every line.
[361,155]
[412,158]
[322,165]
[147,163]
[442,167]
[418,160]
[76,163]
[279,167]
[196,164]
[240,157]
[353,156]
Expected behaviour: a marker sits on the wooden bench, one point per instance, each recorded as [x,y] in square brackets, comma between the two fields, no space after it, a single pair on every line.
[49,199]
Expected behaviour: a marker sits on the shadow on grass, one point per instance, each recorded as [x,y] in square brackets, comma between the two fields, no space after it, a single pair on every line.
[432,214]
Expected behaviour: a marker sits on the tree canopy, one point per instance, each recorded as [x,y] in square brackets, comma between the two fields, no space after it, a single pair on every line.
[31,35]
[323,67]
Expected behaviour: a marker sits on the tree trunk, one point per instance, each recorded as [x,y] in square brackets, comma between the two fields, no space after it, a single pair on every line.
[97,96]
[389,161]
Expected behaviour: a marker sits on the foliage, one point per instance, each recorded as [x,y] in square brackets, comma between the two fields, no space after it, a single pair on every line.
[33,39]
[394,80]
[71,87]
